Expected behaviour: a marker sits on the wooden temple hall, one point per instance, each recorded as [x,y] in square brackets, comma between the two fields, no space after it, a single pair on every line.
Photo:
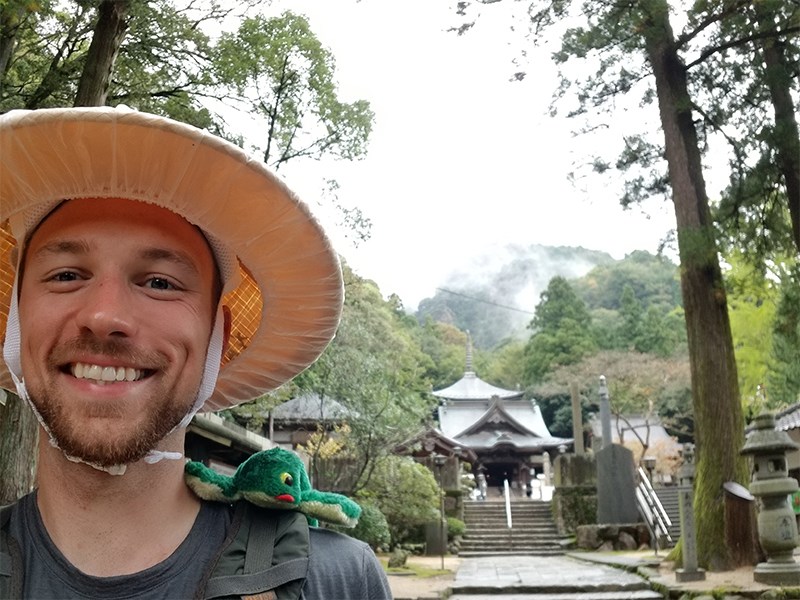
[505,431]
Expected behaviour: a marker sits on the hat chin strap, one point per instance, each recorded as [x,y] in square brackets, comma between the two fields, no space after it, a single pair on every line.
[11,355]
[207,385]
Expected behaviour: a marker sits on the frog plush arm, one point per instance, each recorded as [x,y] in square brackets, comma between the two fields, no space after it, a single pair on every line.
[274,478]
[207,483]
[331,508]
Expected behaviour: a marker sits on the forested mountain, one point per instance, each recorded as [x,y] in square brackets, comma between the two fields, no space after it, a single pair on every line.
[495,300]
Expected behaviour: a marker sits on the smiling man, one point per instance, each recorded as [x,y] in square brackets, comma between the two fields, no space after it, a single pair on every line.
[154,271]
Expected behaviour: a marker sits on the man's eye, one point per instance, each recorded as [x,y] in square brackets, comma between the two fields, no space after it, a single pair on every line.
[159,283]
[64,276]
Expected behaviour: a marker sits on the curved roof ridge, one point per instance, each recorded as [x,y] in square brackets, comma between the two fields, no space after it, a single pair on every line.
[472,387]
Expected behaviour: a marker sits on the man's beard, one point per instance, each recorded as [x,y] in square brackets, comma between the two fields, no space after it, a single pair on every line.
[164,410]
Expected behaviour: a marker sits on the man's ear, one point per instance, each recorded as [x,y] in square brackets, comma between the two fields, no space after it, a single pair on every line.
[226,329]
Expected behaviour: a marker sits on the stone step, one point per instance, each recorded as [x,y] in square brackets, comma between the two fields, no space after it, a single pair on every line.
[502,518]
[635,595]
[539,541]
[516,525]
[533,533]
[502,505]
[551,588]
[537,551]
[515,552]
[515,531]
[473,545]
[506,541]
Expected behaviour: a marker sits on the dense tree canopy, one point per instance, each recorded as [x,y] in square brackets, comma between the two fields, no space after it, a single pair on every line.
[158,57]
[562,332]
[284,79]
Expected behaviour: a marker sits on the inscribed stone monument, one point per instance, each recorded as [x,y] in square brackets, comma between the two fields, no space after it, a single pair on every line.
[616,486]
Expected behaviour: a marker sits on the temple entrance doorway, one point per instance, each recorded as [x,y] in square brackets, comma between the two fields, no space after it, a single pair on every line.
[496,473]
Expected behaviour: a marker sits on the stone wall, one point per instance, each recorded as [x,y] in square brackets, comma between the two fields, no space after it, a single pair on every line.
[605,538]
[574,506]
[575,496]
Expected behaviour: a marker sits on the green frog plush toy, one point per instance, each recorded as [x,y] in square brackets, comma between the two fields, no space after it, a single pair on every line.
[274,478]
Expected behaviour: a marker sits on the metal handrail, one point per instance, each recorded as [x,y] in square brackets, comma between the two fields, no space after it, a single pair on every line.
[656,518]
[507,493]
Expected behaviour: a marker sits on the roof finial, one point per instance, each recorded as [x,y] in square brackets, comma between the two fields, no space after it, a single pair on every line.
[469,353]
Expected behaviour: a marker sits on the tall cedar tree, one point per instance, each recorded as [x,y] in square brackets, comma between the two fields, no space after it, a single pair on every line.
[719,422]
[619,35]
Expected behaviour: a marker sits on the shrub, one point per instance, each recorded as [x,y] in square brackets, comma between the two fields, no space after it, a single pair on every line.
[407,495]
[455,527]
[372,528]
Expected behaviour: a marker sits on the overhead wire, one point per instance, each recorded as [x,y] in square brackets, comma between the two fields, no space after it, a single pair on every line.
[527,312]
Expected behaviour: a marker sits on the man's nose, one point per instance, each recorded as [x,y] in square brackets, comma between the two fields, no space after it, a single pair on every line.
[108,309]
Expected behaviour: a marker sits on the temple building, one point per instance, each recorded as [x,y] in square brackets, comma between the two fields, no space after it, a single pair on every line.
[505,431]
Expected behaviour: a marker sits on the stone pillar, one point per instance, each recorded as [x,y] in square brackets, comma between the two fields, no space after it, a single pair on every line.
[548,470]
[690,571]
[577,419]
[605,413]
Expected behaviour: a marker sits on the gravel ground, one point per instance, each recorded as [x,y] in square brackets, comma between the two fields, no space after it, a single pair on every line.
[408,587]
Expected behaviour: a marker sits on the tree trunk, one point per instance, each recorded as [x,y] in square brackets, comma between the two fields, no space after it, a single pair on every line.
[719,423]
[18,440]
[106,41]
[18,427]
[786,137]
[9,20]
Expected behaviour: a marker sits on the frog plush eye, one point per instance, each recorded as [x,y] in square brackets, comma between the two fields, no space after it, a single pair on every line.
[287,479]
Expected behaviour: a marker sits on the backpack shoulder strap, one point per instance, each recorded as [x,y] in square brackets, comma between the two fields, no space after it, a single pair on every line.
[10,559]
[266,556]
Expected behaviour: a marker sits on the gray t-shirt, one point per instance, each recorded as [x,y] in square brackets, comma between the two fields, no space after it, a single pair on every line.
[340,567]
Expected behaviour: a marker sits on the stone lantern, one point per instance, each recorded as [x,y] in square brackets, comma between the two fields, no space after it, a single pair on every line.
[771,484]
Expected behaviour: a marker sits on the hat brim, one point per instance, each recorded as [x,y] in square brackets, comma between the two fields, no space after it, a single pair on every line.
[286,308]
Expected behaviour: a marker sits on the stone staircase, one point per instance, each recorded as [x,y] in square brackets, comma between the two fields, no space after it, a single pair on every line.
[533,533]
[668,495]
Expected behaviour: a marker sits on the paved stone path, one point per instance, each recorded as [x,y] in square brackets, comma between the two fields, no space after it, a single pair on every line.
[552,577]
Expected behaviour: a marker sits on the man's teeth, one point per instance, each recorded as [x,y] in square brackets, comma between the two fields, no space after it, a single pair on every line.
[105,374]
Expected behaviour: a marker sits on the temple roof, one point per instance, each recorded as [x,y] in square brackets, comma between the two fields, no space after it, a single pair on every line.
[491,440]
[472,387]
[310,407]
[459,419]
[788,418]
[513,422]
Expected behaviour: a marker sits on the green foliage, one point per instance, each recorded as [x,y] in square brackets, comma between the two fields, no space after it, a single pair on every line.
[578,506]
[406,493]
[372,528]
[559,305]
[455,527]
[652,280]
[783,378]
[446,347]
[505,366]
[169,64]
[286,78]
[496,310]
[562,330]
[376,369]
[751,297]
[638,383]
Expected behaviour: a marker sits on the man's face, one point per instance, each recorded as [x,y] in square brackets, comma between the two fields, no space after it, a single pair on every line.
[116,306]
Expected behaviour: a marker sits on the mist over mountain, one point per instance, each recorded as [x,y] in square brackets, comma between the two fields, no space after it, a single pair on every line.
[494,296]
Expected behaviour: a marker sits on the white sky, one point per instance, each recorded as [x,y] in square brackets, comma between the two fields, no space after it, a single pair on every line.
[461,160]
